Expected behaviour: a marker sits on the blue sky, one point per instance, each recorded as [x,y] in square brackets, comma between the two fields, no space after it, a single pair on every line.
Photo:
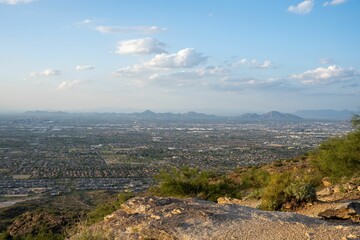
[204,55]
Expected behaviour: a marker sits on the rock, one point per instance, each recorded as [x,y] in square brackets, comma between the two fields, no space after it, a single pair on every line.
[349,187]
[228,200]
[326,182]
[170,218]
[346,211]
[351,236]
[358,188]
[324,192]
[337,189]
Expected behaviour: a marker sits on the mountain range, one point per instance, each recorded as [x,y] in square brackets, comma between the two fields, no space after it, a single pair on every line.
[325,114]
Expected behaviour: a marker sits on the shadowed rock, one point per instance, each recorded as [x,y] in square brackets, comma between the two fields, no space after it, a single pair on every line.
[345,212]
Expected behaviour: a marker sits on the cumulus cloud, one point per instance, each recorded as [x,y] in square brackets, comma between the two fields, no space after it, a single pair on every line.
[330,74]
[334,2]
[265,65]
[46,73]
[185,58]
[14,2]
[304,7]
[84,67]
[68,84]
[140,46]
[133,70]
[133,29]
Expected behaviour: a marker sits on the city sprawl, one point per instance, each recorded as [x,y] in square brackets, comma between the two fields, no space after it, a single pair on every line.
[50,156]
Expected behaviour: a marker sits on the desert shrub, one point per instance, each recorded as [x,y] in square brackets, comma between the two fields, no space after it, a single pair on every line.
[273,196]
[4,235]
[43,235]
[123,197]
[183,182]
[83,232]
[254,178]
[105,209]
[299,192]
[100,212]
[339,157]
[224,187]
[192,182]
[287,188]
[356,121]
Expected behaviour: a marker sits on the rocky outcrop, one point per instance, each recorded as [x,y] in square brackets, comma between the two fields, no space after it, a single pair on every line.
[346,211]
[170,218]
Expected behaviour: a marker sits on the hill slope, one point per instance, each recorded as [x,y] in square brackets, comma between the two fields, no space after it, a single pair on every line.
[170,218]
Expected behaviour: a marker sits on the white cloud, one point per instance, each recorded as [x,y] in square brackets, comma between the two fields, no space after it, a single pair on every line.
[211,71]
[185,58]
[242,61]
[46,73]
[254,63]
[84,67]
[331,74]
[133,29]
[140,46]
[334,2]
[265,65]
[14,2]
[85,22]
[304,7]
[68,84]
[131,70]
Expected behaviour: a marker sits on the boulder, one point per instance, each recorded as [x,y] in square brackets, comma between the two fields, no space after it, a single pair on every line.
[346,211]
[324,192]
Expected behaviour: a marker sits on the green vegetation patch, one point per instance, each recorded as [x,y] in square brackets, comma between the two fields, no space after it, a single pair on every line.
[339,158]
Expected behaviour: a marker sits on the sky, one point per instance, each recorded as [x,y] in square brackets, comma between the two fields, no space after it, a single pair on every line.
[214,56]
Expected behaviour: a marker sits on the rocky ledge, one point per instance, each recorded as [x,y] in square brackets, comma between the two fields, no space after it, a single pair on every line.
[170,218]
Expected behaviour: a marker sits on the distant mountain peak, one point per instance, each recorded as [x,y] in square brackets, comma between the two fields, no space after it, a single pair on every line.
[148,112]
[275,115]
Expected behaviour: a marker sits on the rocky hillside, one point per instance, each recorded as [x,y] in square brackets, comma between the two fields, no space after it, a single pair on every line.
[170,218]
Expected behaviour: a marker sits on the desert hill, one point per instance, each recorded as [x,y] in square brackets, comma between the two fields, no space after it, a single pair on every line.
[171,218]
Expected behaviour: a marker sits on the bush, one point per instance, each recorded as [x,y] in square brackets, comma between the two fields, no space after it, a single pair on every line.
[273,196]
[191,182]
[286,188]
[339,157]
[254,177]
[299,192]
[103,210]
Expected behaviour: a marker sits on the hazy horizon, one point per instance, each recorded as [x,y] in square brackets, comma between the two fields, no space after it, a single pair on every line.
[207,55]
[217,112]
